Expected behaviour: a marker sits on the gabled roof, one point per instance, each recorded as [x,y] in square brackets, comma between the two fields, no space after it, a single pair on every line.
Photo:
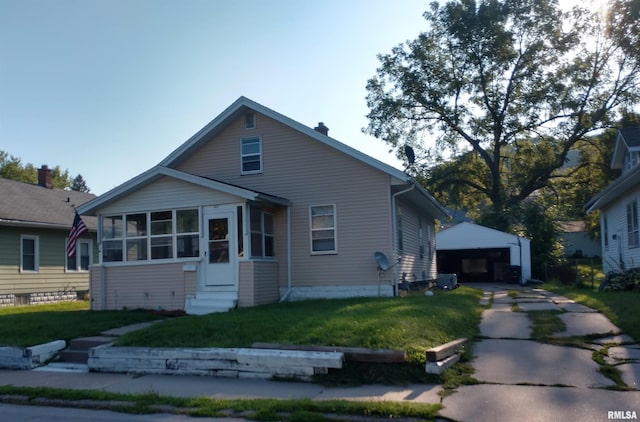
[615,189]
[241,106]
[156,172]
[235,110]
[27,205]
[628,139]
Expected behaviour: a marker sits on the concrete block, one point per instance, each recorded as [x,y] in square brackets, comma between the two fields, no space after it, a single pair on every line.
[440,366]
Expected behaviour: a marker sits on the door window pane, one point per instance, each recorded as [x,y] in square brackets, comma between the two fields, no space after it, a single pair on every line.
[218,240]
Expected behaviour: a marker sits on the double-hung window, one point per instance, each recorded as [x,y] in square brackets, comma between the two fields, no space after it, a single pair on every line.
[323,229]
[136,237]
[29,253]
[251,155]
[112,238]
[632,224]
[83,257]
[262,233]
[161,239]
[187,233]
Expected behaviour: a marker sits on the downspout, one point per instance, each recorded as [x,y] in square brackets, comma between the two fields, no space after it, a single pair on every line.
[394,234]
[285,296]
[103,272]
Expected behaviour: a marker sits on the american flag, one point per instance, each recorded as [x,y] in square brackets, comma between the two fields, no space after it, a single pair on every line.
[76,231]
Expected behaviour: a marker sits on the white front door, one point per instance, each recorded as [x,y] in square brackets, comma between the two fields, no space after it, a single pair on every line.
[220,255]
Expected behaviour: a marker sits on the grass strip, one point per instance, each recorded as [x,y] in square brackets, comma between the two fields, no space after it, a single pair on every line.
[255,409]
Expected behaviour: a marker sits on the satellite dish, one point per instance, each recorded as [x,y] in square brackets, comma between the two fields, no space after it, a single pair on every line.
[381,259]
[411,156]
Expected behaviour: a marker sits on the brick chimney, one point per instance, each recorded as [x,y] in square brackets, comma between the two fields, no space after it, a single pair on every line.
[322,129]
[45,177]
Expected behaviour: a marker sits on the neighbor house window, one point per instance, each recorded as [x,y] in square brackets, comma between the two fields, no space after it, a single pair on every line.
[83,257]
[29,253]
[605,230]
[632,224]
[323,229]
[631,159]
[251,155]
[262,233]
[420,238]
[151,235]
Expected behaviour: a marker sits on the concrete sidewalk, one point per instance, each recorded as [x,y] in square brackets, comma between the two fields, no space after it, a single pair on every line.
[520,378]
[530,381]
[221,388]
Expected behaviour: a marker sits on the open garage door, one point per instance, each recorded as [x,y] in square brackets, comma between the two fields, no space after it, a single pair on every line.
[475,265]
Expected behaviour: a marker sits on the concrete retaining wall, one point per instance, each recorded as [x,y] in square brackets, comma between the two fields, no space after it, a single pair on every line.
[231,363]
[29,357]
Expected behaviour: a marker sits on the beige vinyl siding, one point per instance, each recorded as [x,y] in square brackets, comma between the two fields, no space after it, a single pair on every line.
[167,193]
[258,283]
[412,263]
[307,173]
[159,286]
[51,275]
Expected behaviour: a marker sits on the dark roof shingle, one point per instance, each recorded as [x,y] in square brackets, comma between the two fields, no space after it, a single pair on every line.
[33,205]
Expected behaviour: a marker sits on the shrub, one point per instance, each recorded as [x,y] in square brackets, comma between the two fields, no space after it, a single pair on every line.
[626,280]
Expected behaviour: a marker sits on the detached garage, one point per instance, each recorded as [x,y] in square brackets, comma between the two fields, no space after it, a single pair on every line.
[480,254]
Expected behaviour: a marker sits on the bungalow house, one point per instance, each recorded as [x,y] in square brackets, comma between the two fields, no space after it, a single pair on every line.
[35,221]
[618,205]
[256,208]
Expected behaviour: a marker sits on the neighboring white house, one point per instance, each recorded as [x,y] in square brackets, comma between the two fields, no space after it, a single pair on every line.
[478,253]
[618,205]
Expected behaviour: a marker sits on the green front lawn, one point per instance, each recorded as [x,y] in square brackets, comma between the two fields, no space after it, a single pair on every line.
[25,326]
[622,308]
[414,323]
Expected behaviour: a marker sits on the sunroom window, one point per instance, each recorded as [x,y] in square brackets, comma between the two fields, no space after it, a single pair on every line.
[262,233]
[163,234]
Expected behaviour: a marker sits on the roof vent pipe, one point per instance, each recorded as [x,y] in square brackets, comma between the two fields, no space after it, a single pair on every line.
[322,129]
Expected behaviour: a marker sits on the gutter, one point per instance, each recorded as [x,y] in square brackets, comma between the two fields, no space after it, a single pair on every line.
[394,234]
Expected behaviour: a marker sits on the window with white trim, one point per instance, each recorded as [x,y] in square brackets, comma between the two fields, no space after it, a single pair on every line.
[262,233]
[187,233]
[83,257]
[632,224]
[29,253]
[605,230]
[251,155]
[323,229]
[166,234]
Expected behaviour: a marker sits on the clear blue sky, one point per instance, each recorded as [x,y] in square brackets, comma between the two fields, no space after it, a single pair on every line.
[108,88]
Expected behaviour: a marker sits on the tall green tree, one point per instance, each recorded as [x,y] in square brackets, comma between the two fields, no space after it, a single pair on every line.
[505,90]
[11,167]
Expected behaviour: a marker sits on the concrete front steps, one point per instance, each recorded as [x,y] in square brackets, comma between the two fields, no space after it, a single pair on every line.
[78,350]
[211,302]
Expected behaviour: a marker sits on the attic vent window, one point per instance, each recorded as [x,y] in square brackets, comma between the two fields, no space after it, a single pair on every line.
[250,120]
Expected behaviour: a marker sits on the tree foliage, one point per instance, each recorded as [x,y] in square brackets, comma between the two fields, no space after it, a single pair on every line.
[506,89]
[11,167]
